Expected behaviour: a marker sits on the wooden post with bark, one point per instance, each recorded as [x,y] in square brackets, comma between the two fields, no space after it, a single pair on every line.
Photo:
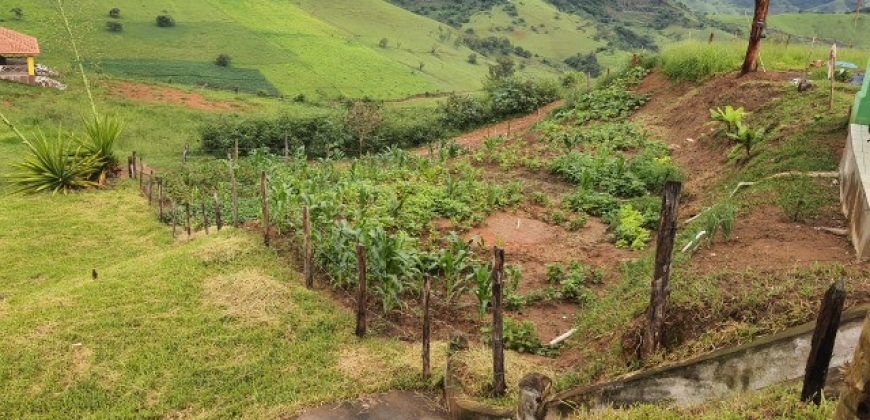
[750,63]
[174,219]
[135,172]
[427,286]
[498,378]
[264,193]
[855,397]
[307,254]
[218,215]
[661,287]
[362,292]
[160,198]
[235,189]
[824,337]
[150,187]
[184,154]
[204,216]
[187,217]
[712,38]
[130,167]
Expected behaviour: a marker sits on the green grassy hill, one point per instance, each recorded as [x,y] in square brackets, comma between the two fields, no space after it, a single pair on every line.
[314,48]
[784,6]
[841,28]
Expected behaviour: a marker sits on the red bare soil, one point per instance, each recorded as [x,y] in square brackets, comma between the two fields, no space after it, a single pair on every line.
[168,96]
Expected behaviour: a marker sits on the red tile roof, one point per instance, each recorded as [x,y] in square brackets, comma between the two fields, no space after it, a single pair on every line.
[14,43]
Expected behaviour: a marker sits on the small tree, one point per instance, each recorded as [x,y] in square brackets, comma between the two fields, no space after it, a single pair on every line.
[503,69]
[18,13]
[113,26]
[384,43]
[472,59]
[165,21]
[363,118]
[115,13]
[223,60]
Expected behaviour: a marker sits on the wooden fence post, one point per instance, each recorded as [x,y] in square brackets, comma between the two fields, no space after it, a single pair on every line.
[236,151]
[362,293]
[235,190]
[135,172]
[174,218]
[130,167]
[498,380]
[141,176]
[308,257]
[712,38]
[204,216]
[855,399]
[150,187]
[286,147]
[184,154]
[822,348]
[187,211]
[160,198]
[218,215]
[661,287]
[264,192]
[427,286]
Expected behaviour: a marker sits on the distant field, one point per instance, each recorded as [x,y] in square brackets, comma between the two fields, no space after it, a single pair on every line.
[841,28]
[192,73]
[309,48]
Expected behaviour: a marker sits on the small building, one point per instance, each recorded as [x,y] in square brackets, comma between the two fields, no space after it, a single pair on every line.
[18,54]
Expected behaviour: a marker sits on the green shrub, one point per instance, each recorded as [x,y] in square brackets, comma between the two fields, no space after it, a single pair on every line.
[585,63]
[518,336]
[463,112]
[511,95]
[628,228]
[590,202]
[165,21]
[115,13]
[223,60]
[728,116]
[112,26]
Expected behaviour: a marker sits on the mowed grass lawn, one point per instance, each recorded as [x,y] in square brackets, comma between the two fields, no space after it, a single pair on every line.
[216,326]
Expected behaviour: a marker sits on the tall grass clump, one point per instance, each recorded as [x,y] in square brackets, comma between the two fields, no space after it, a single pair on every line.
[695,61]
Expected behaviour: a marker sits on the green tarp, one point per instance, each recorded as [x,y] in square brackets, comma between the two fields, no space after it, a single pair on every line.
[861,110]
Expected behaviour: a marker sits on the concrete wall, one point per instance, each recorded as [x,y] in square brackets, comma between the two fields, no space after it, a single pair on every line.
[855,188]
[768,361]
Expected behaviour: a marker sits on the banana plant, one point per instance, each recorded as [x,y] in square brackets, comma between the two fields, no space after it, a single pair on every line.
[729,116]
[747,137]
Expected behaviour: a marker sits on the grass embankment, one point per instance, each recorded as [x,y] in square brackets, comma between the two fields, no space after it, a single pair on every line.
[715,307]
[695,60]
[212,327]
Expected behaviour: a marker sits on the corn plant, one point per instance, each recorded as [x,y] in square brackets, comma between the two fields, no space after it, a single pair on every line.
[451,263]
[393,265]
[481,278]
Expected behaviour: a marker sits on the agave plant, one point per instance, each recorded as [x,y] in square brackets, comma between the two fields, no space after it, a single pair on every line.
[53,166]
[100,138]
[728,116]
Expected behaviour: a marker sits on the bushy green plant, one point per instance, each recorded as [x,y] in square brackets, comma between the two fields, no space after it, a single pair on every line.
[590,202]
[747,138]
[100,138]
[481,279]
[463,112]
[519,336]
[512,95]
[628,228]
[165,21]
[53,165]
[113,26]
[729,116]
[719,219]
[223,60]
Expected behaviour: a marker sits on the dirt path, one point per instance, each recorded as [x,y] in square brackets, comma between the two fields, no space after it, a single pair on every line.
[473,139]
[390,406]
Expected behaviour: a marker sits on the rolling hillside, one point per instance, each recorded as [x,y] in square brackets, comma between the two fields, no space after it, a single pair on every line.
[735,7]
[299,47]
[841,28]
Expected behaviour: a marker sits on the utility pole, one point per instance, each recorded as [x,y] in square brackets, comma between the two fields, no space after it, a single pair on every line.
[759,21]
